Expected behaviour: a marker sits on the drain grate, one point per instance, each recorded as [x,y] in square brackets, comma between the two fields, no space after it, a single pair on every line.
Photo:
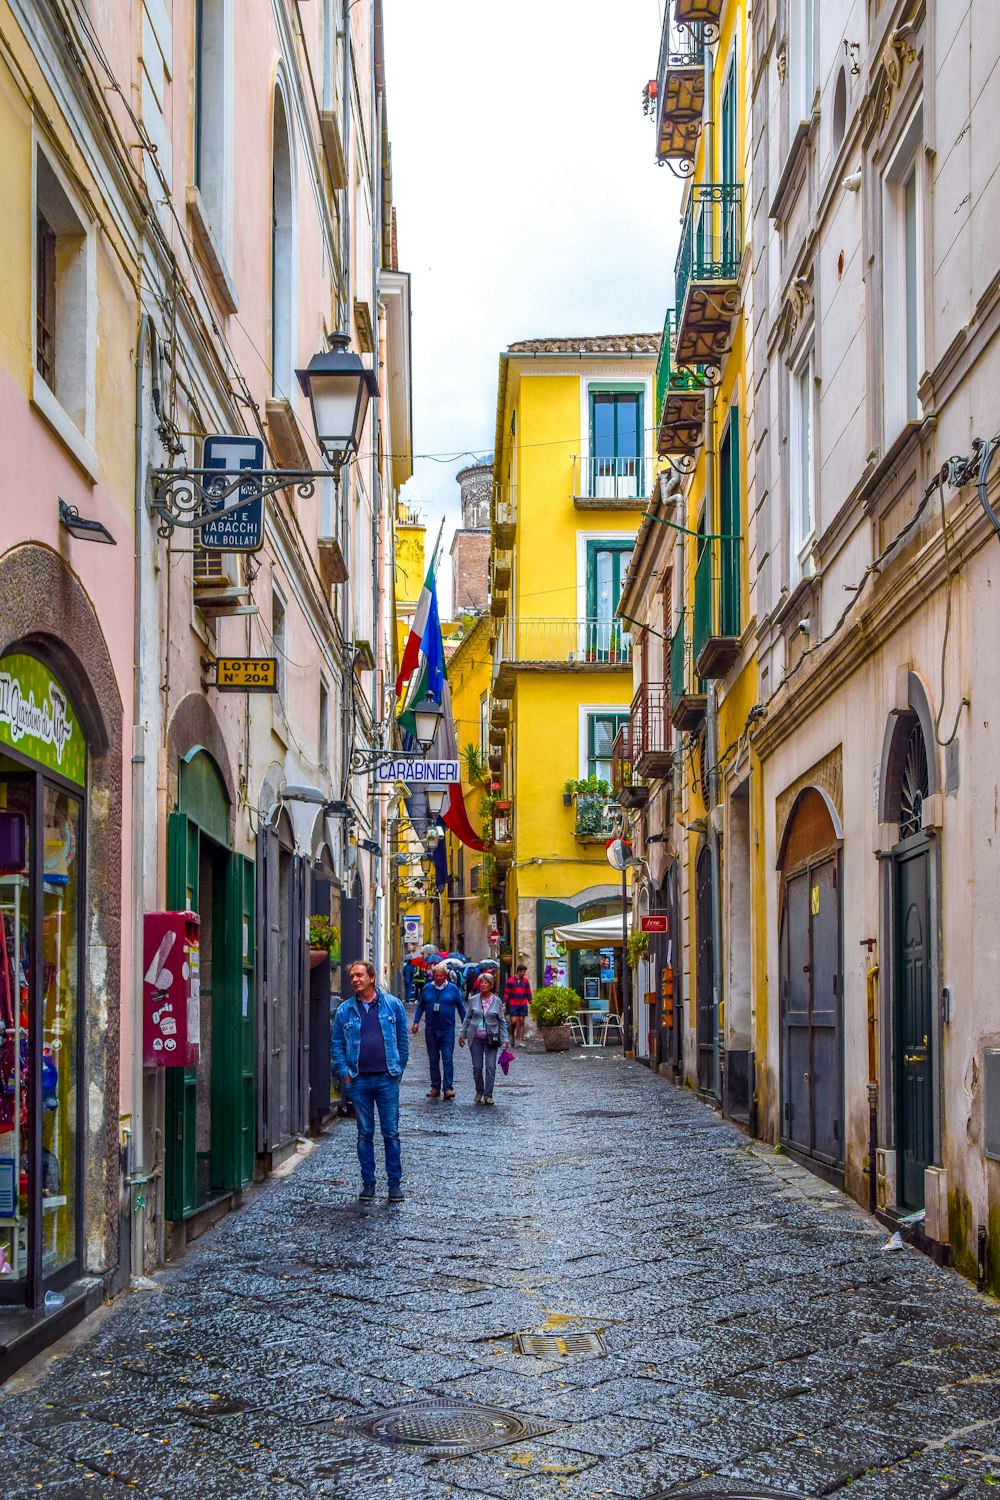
[559,1345]
[722,1495]
[448,1429]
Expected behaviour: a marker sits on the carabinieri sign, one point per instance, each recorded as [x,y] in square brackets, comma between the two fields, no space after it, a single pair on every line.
[418,771]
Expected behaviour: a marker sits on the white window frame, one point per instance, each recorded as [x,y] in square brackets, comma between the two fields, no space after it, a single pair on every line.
[75,430]
[801,60]
[900,404]
[284,314]
[801,464]
[215,189]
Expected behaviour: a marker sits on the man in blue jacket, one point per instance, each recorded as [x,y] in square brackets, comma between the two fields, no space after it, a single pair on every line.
[369,1049]
[439,1001]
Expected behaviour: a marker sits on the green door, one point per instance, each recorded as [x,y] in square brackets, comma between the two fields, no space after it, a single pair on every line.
[729,526]
[181,1130]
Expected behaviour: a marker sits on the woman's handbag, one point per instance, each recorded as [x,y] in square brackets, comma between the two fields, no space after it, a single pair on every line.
[505,1059]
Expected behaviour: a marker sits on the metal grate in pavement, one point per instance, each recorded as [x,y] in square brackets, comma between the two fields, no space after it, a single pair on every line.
[449,1429]
[559,1345]
[676,1494]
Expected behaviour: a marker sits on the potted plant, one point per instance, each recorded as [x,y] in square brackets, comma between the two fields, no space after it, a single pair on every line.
[638,948]
[324,941]
[568,791]
[552,1006]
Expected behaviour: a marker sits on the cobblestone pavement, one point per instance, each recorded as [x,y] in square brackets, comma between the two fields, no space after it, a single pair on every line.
[757,1338]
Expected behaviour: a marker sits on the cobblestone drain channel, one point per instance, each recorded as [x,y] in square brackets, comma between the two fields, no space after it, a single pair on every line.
[715,1322]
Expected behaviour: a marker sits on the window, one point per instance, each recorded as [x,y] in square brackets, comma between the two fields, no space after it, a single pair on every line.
[615,444]
[64,301]
[903,342]
[602,730]
[840,111]
[282,255]
[728,159]
[730,526]
[801,27]
[212,94]
[324,724]
[607,564]
[278,641]
[801,468]
[484,724]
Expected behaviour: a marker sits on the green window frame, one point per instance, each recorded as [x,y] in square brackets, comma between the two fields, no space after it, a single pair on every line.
[613,720]
[621,552]
[730,525]
[728,134]
[619,398]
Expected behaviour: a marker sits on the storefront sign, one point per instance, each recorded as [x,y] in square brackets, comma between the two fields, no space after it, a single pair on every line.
[36,718]
[246,674]
[418,771]
[243,529]
[653,922]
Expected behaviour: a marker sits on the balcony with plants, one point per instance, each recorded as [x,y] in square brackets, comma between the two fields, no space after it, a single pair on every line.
[590,795]
[716,626]
[709,258]
[680,403]
[687,690]
[680,94]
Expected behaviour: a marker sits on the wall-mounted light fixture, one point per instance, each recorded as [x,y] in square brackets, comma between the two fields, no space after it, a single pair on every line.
[85,531]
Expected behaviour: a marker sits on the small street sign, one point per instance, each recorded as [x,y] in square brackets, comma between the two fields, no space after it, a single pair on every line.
[242,530]
[246,674]
[653,922]
[418,771]
[494,935]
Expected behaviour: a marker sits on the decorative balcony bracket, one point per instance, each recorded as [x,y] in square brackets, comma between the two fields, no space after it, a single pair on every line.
[192,497]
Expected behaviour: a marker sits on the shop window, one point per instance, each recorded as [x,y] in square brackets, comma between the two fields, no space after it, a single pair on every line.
[42,790]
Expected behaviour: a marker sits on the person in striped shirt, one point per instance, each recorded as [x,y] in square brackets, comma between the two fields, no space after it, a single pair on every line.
[516,998]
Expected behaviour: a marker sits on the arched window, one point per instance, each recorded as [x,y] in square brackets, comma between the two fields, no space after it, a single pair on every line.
[840,110]
[908,782]
[282,254]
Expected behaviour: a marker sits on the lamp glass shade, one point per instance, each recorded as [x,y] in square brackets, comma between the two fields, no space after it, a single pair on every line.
[426,718]
[339,388]
[435,799]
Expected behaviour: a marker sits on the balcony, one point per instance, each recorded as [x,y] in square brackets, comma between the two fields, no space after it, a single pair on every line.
[707,273]
[680,94]
[687,695]
[504,515]
[652,753]
[716,630]
[705,13]
[592,823]
[612,483]
[500,713]
[557,646]
[627,786]
[680,402]
[500,572]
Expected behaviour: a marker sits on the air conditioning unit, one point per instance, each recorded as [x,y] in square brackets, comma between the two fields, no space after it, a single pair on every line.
[214,568]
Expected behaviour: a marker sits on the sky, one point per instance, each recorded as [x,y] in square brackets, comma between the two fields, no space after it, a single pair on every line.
[528,199]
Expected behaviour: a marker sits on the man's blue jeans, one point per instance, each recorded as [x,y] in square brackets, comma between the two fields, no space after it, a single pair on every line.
[441,1052]
[382,1093]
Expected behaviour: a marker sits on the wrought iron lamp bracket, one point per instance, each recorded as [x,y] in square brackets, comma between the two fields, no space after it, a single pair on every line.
[191,497]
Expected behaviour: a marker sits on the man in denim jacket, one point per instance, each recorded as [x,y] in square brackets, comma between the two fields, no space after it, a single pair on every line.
[369,1049]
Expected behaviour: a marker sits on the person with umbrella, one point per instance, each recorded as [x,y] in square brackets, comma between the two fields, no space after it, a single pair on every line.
[439,1001]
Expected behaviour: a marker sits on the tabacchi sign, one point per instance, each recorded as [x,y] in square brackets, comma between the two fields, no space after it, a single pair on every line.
[36,717]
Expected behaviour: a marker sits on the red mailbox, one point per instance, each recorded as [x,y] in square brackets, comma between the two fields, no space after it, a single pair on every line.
[171,991]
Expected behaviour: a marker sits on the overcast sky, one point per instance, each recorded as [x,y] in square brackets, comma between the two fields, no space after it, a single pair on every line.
[528,199]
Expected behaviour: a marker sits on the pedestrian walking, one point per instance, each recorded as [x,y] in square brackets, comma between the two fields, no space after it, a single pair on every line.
[517,998]
[439,1000]
[485,1029]
[370,1047]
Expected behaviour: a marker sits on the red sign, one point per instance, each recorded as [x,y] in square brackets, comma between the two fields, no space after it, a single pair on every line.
[653,922]
[171,990]
[494,935]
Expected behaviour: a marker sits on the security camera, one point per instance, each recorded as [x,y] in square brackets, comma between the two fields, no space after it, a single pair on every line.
[803,627]
[852,183]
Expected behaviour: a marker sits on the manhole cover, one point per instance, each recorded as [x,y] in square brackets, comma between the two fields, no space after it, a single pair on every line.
[449,1429]
[558,1345]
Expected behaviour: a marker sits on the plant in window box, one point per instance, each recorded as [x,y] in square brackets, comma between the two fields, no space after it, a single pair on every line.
[552,1006]
[638,948]
[324,941]
[591,794]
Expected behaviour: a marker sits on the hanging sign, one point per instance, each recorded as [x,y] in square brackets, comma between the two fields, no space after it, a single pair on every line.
[36,718]
[246,674]
[653,922]
[243,529]
[416,770]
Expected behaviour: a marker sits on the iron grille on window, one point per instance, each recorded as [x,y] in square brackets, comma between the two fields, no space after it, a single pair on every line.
[45,301]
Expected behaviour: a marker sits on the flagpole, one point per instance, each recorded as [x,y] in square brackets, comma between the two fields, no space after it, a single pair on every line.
[437,548]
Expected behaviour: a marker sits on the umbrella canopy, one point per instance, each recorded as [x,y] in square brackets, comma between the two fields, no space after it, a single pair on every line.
[598,932]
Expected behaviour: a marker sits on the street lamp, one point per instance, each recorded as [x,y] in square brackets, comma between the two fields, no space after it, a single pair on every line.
[339,388]
[426,718]
[435,799]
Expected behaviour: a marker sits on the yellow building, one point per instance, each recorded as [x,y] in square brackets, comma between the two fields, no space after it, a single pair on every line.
[573,470]
[685,757]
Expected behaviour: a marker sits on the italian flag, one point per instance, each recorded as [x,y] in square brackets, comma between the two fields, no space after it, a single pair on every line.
[414,641]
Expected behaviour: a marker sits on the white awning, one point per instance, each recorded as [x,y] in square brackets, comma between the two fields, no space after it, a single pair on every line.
[598,932]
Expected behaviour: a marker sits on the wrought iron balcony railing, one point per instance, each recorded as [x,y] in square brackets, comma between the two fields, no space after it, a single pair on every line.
[612,479]
[687,692]
[703,13]
[680,402]
[707,270]
[650,729]
[566,642]
[680,94]
[715,642]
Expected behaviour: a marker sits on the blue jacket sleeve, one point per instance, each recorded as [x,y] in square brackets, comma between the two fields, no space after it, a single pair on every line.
[402,1035]
[420,1007]
[338,1047]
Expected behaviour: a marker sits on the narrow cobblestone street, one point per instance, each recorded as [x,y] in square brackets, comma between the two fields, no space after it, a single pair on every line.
[755,1331]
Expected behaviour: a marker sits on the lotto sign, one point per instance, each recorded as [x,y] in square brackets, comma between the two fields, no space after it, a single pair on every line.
[246,674]
[242,530]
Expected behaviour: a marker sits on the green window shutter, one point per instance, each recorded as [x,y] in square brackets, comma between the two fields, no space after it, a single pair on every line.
[248,1032]
[181,1124]
[233,1050]
[729,525]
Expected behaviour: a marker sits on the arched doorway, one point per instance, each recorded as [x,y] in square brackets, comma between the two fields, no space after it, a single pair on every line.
[811,982]
[707,1014]
[908,784]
